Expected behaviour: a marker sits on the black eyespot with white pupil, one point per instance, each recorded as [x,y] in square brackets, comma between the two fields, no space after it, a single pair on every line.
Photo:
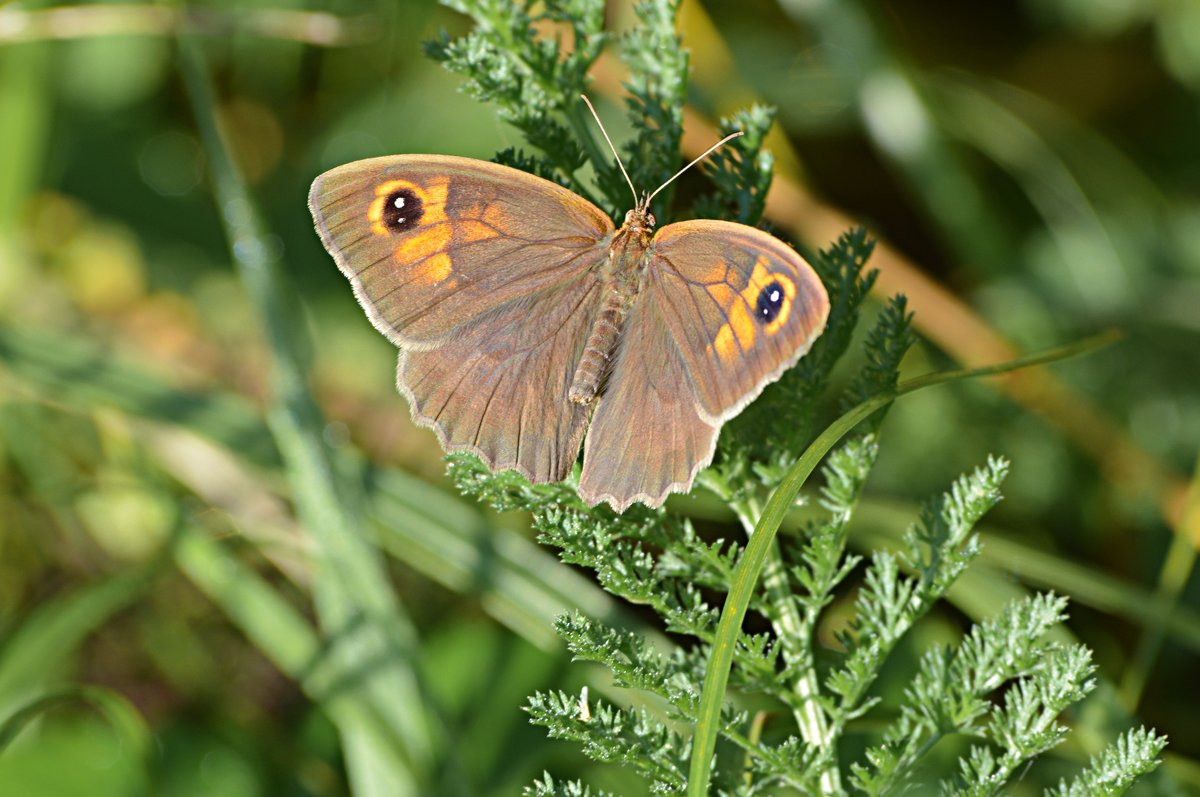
[769,303]
[402,210]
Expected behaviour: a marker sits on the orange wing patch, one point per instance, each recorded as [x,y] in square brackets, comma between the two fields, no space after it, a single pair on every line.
[471,230]
[427,238]
[425,247]
[436,269]
[738,333]
[425,243]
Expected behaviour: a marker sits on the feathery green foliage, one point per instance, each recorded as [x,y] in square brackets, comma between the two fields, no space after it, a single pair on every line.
[659,559]
[1004,684]
[547,787]
[1114,770]
[533,82]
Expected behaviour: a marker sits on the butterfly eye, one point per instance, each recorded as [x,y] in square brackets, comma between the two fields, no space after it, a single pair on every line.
[769,303]
[402,210]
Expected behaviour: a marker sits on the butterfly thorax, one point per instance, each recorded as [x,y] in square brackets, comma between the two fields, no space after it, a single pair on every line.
[620,284]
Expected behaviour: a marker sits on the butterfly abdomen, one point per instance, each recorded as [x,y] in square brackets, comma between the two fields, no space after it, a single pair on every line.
[621,287]
[599,349]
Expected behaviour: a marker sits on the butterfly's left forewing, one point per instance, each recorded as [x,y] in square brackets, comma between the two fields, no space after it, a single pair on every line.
[741,305]
[724,310]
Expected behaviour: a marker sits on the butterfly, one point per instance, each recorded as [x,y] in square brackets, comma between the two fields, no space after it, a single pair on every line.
[525,318]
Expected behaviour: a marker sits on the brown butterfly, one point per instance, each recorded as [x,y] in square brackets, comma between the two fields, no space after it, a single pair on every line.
[524,318]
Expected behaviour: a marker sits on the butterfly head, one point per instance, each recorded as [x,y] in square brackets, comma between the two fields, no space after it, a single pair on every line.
[640,219]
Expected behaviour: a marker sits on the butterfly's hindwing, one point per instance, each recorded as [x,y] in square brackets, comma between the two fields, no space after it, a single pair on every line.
[500,389]
[647,438]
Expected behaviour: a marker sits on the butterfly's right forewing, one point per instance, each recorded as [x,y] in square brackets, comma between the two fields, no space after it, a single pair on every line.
[486,277]
[742,307]
[431,242]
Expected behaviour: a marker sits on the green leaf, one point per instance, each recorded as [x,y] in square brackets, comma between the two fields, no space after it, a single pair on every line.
[1114,770]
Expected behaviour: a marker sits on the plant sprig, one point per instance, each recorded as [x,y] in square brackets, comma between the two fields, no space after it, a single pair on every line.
[1004,683]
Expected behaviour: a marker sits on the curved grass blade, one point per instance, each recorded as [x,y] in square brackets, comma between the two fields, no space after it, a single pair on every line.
[373,640]
[55,629]
[119,712]
[750,565]
[134,739]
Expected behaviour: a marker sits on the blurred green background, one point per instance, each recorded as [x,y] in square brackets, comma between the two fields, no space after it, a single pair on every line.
[1033,169]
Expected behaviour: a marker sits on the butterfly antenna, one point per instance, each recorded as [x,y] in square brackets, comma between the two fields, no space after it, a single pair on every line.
[610,146]
[707,152]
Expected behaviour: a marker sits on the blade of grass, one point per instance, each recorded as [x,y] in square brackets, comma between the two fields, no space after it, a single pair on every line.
[83,373]
[1099,278]
[899,122]
[53,631]
[750,564]
[1173,578]
[25,74]
[276,628]
[283,635]
[316,28]
[437,534]
[519,583]
[132,731]
[359,613]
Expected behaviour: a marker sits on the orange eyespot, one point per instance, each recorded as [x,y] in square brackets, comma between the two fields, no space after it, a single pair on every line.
[402,205]
[765,302]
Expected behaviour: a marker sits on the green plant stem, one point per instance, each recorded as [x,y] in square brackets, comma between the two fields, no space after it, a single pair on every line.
[755,736]
[795,634]
[755,555]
